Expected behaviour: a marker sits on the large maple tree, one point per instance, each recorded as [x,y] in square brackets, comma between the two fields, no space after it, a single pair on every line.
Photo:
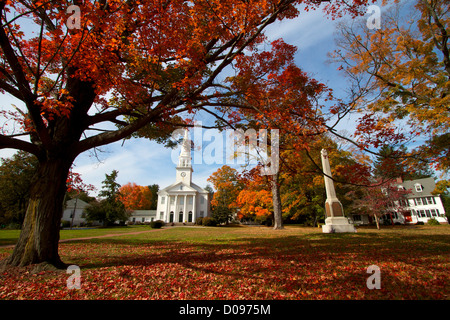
[131,67]
[401,75]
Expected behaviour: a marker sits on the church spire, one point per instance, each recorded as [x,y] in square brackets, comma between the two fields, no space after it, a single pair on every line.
[186,146]
[184,168]
[184,160]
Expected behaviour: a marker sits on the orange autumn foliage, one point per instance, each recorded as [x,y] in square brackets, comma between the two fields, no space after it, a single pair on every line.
[135,197]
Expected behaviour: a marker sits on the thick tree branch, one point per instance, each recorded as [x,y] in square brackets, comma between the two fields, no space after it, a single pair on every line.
[12,143]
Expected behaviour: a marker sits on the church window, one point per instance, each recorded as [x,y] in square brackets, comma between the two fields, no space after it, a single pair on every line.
[190,200]
[201,213]
[202,200]
[161,214]
[172,200]
[181,200]
[163,199]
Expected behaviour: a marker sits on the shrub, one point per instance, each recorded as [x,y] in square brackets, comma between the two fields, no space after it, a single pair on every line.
[419,223]
[13,226]
[433,222]
[209,222]
[156,224]
[65,224]
[199,221]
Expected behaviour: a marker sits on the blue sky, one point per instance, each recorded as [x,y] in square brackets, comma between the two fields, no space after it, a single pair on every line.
[146,162]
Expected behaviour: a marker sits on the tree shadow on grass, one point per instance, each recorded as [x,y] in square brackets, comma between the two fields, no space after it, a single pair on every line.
[367,248]
[312,265]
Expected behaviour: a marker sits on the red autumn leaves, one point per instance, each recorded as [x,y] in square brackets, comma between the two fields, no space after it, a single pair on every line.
[299,266]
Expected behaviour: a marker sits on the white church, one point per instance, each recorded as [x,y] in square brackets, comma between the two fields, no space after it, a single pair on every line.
[183,201]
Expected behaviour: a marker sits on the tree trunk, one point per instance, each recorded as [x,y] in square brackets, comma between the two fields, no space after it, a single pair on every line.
[276,199]
[377,222]
[39,238]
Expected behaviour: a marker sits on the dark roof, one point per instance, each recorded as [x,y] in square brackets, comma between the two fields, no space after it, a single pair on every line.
[427,184]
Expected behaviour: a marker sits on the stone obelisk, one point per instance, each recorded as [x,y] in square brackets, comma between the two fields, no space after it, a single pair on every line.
[335,219]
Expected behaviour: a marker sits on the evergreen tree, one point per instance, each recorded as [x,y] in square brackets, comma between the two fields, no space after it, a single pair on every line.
[16,174]
[110,209]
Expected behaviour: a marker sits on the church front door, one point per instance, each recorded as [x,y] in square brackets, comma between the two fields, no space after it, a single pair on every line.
[180,217]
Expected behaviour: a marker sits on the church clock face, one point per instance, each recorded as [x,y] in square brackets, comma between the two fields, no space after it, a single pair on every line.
[183,174]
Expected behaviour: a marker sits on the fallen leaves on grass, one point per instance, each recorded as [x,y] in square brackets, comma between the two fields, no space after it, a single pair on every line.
[274,269]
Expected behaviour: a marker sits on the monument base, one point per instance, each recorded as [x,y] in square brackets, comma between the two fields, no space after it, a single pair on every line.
[337,225]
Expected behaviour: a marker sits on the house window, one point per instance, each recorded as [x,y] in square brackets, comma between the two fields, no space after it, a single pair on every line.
[433,213]
[421,213]
[134,219]
[143,219]
[201,213]
[418,201]
[418,187]
[163,199]
[356,217]
[430,200]
[404,203]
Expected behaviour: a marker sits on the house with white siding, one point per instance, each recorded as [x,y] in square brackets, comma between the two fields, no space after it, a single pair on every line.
[419,205]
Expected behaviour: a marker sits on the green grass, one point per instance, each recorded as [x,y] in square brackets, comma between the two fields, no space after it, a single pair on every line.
[243,263]
[9,237]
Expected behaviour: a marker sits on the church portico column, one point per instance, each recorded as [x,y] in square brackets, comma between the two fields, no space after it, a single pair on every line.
[176,209]
[184,208]
[194,213]
[166,211]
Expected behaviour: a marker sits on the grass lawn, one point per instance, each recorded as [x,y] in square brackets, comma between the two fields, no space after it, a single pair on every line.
[241,263]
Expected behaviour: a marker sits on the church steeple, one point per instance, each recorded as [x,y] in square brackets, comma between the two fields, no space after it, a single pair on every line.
[184,167]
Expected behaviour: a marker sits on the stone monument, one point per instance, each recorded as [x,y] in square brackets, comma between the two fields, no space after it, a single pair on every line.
[335,220]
